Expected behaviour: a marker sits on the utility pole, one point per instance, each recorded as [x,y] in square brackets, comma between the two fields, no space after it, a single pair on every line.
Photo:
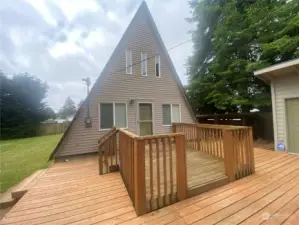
[86,81]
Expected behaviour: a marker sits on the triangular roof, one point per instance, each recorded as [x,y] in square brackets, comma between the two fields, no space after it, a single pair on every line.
[144,10]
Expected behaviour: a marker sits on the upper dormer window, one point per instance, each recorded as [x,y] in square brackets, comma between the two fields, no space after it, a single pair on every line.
[128,61]
[157,66]
[143,64]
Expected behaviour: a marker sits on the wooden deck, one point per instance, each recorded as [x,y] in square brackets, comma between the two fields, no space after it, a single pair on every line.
[202,169]
[74,193]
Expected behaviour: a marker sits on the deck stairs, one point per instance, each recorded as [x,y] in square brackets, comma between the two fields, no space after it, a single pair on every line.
[14,194]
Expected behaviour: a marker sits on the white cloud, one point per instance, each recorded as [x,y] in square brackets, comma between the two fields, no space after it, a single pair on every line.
[62,41]
[41,7]
[72,7]
[94,38]
[62,49]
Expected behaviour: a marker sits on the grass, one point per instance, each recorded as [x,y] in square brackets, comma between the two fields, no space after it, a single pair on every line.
[21,157]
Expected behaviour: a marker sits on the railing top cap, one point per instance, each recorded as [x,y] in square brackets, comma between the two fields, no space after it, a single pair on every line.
[213,126]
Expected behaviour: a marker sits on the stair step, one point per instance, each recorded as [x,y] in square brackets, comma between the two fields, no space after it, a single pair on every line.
[26,184]
[6,200]
[197,190]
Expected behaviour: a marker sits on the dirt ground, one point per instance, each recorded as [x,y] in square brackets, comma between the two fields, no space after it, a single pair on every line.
[265,144]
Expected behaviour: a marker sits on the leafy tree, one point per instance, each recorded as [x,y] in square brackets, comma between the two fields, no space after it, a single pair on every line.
[49,112]
[249,35]
[68,109]
[22,106]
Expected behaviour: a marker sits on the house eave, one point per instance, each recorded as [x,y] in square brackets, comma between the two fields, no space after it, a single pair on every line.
[269,73]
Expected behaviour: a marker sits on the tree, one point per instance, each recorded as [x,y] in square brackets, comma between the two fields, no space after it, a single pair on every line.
[22,106]
[250,35]
[49,112]
[68,109]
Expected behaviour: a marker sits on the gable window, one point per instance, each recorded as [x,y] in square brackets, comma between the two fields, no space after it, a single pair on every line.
[128,61]
[171,114]
[143,64]
[113,115]
[157,66]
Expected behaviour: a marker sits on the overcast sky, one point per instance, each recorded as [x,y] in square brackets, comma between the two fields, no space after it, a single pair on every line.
[62,41]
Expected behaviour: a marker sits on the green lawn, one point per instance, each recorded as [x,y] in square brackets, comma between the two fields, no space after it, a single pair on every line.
[21,157]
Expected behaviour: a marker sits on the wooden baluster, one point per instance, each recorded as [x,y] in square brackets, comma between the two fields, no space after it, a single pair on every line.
[248,152]
[242,162]
[151,172]
[164,170]
[218,143]
[198,131]
[181,167]
[236,152]
[116,151]
[130,162]
[111,150]
[228,154]
[100,160]
[139,177]
[158,171]
[213,142]
[170,168]
[208,141]
[106,156]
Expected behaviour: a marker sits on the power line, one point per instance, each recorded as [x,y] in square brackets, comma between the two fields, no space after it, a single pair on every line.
[134,64]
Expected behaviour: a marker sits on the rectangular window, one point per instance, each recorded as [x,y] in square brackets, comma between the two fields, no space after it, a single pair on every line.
[166,114]
[143,64]
[120,115]
[171,114]
[128,61]
[175,113]
[106,115]
[157,66]
[113,115]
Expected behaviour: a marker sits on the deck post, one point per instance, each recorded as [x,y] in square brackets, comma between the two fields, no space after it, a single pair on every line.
[181,167]
[228,148]
[139,177]
[252,169]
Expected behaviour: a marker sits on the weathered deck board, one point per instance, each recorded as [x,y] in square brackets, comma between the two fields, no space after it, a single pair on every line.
[73,193]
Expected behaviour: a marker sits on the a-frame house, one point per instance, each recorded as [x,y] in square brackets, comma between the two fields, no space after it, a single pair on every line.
[138,89]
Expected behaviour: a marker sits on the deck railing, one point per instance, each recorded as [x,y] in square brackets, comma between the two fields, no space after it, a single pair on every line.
[108,152]
[153,168]
[232,143]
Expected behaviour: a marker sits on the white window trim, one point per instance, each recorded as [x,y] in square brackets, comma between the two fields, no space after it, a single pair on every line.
[127,64]
[158,56]
[169,125]
[144,62]
[113,105]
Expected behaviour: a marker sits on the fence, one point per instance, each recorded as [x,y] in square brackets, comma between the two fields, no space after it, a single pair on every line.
[52,128]
[232,143]
[153,168]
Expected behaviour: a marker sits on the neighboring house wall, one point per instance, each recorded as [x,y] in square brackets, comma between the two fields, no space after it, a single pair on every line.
[121,87]
[282,88]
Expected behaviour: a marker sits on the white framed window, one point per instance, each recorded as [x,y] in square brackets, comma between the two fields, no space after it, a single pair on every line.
[128,61]
[157,66]
[171,114]
[113,115]
[143,64]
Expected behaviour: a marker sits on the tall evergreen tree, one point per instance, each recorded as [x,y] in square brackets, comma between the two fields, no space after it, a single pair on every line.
[248,36]
[68,109]
[22,105]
